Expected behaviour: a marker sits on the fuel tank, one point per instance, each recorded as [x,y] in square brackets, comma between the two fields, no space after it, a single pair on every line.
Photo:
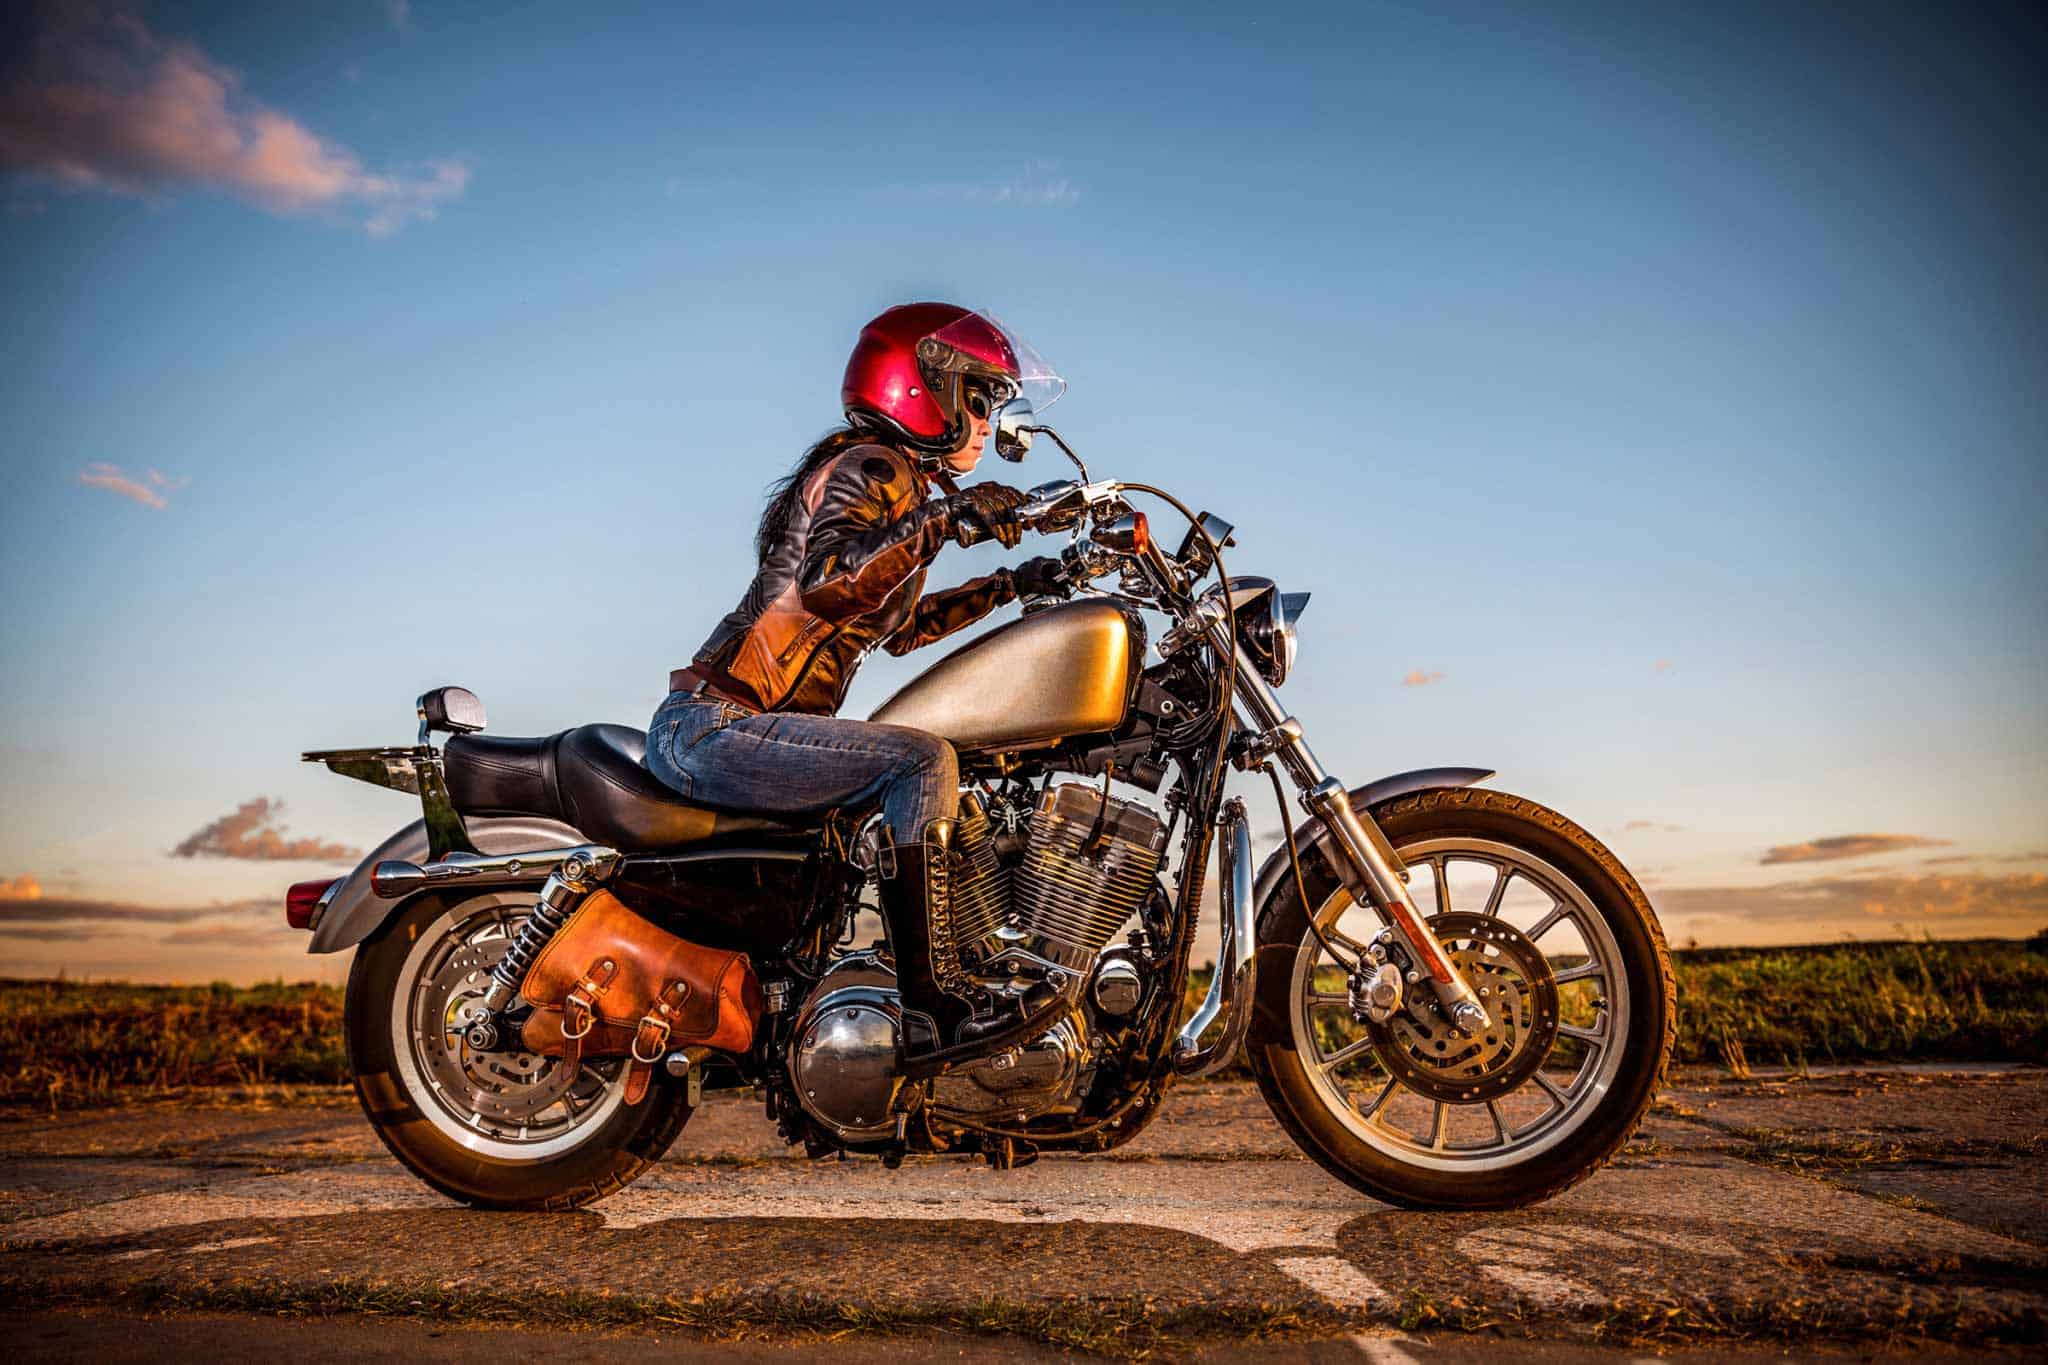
[1064,670]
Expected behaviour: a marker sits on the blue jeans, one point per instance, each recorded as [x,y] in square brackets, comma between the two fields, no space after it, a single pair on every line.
[783,763]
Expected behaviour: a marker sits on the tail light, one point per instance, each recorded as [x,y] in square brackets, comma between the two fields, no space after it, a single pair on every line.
[304,901]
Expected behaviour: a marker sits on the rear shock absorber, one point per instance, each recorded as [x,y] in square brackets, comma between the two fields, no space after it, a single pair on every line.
[580,874]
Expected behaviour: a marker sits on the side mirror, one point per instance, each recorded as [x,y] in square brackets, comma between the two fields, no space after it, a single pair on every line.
[453,709]
[1013,437]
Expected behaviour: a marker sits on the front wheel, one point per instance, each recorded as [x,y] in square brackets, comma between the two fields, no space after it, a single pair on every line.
[500,1129]
[1570,962]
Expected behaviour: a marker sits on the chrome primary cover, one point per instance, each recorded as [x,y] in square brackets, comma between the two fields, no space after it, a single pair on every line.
[1062,671]
[843,1059]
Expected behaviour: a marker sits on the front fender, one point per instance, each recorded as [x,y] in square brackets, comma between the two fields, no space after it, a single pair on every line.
[1314,841]
[354,911]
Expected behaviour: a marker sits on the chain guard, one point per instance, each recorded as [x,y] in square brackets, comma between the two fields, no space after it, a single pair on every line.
[1422,1049]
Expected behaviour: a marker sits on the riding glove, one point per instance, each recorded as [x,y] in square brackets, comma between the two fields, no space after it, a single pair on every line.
[1040,577]
[990,508]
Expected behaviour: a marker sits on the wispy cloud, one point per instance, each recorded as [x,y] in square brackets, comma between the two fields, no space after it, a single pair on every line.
[1039,184]
[1846,846]
[103,103]
[232,935]
[399,12]
[22,888]
[1651,826]
[253,832]
[152,488]
[120,916]
[1663,665]
[1930,896]
[1418,678]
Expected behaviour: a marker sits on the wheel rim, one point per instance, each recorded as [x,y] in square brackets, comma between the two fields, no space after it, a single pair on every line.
[510,1106]
[1471,880]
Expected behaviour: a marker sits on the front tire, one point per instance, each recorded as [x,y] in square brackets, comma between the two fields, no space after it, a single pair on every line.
[500,1130]
[1533,905]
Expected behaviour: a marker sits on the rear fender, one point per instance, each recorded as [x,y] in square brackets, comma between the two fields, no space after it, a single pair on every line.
[1314,841]
[354,911]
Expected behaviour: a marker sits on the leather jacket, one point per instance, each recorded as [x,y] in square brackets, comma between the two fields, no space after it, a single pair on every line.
[848,575]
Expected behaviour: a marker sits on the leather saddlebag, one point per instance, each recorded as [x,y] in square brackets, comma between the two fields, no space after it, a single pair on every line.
[612,984]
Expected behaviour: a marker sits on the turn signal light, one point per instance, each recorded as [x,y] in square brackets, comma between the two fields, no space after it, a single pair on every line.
[1129,534]
[302,902]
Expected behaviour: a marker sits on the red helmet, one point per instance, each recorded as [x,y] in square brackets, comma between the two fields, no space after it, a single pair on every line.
[916,368]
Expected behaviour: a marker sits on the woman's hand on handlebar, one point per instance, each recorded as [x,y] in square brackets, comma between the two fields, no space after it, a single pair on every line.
[991,507]
[1044,576]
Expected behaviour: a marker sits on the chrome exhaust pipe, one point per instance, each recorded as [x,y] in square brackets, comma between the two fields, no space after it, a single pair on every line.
[394,879]
[1236,980]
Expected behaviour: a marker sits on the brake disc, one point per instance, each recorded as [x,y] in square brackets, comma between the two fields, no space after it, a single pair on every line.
[508,1086]
[1422,1049]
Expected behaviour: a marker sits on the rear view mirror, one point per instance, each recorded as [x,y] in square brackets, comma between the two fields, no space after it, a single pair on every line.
[1013,438]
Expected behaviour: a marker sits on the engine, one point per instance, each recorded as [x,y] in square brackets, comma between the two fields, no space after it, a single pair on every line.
[1027,915]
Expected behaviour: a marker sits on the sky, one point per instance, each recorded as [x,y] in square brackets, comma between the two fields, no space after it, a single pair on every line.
[1652,395]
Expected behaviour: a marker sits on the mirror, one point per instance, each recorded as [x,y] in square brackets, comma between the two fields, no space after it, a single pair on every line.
[1013,437]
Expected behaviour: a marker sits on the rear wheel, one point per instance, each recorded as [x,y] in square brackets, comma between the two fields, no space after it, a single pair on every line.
[1572,965]
[500,1129]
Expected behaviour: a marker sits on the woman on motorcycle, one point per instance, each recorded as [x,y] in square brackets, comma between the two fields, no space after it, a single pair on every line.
[842,549]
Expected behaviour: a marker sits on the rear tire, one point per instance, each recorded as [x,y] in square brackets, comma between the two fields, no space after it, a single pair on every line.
[567,1157]
[1359,1143]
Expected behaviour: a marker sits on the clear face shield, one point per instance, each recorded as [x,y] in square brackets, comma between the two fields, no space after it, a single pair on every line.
[1002,378]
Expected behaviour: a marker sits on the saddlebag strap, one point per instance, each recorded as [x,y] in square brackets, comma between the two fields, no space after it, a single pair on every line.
[579,1007]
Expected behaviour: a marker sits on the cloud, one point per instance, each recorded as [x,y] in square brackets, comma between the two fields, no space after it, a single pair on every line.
[22,888]
[48,933]
[399,12]
[1038,185]
[153,489]
[1663,665]
[234,936]
[252,832]
[1846,846]
[1418,678]
[1927,896]
[101,102]
[119,917]
[1634,826]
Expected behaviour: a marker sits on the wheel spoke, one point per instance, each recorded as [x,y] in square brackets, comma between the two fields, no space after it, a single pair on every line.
[1584,1035]
[1378,1101]
[1440,1126]
[1501,877]
[1549,1087]
[1443,884]
[1548,922]
[1500,1125]
[1579,973]
[1345,1053]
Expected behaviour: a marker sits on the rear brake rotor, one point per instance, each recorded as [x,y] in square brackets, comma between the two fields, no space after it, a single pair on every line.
[1422,1049]
[508,1086]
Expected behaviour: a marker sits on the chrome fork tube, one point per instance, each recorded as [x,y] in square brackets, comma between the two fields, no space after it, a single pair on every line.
[1232,988]
[1370,869]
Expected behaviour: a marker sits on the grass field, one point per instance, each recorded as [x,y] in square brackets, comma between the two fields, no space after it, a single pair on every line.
[66,1044]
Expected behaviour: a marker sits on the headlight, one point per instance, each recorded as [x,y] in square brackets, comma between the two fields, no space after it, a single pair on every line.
[1265,624]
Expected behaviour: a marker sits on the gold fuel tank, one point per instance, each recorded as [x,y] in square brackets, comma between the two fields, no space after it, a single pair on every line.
[1065,670]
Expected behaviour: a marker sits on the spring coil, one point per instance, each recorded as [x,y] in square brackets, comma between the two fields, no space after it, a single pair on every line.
[550,912]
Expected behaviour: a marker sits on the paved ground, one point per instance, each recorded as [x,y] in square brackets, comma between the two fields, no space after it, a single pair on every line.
[1857,1208]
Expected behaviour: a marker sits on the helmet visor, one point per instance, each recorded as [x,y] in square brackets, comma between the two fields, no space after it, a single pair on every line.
[978,345]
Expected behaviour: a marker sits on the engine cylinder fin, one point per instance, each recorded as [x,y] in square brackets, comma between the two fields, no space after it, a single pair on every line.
[981,884]
[1090,864]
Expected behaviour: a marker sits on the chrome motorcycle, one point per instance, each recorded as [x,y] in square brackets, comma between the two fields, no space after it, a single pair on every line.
[1450,997]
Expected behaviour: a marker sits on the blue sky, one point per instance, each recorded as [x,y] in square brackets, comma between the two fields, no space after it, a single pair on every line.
[1659,387]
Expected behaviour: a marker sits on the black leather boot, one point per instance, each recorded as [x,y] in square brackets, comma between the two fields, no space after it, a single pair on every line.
[916,885]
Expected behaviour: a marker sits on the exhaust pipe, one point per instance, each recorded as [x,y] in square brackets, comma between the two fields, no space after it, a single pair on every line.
[1232,987]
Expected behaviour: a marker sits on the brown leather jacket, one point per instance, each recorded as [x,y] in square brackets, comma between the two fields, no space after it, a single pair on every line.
[847,577]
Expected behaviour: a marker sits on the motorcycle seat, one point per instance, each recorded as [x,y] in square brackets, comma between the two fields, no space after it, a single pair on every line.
[594,779]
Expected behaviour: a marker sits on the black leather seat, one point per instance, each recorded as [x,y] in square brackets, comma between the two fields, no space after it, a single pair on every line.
[593,778]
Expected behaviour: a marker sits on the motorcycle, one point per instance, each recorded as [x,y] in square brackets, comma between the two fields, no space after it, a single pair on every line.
[1449,997]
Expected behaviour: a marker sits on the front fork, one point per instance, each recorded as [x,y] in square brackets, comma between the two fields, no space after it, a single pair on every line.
[1366,863]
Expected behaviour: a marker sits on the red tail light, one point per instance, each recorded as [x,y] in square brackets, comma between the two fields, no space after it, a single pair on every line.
[302,902]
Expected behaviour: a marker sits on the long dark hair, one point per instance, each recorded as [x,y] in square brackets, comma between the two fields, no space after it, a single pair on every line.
[784,492]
